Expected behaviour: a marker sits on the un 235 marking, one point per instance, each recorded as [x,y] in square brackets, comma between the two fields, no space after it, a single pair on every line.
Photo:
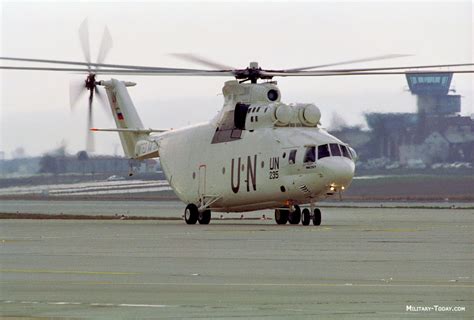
[236,168]
[273,174]
[274,167]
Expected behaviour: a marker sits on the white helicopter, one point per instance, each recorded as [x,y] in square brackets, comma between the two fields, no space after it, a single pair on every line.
[257,153]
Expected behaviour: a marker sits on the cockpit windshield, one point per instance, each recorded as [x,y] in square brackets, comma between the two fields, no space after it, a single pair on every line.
[323,151]
[335,151]
[345,153]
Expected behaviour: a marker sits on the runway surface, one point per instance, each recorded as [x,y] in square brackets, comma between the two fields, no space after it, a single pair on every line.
[366,263]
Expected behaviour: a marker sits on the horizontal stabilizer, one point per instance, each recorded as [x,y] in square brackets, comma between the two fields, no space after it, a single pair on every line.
[139,131]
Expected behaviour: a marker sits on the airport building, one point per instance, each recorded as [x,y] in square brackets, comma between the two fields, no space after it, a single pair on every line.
[436,133]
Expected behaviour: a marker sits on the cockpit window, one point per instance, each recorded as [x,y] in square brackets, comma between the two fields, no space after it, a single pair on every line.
[310,154]
[292,157]
[353,153]
[335,151]
[323,151]
[345,153]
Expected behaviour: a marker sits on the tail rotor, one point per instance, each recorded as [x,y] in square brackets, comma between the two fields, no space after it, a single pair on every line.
[77,89]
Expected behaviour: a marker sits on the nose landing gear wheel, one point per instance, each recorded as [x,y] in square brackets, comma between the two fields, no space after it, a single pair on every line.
[191,214]
[204,217]
[317,217]
[295,216]
[306,217]
[281,216]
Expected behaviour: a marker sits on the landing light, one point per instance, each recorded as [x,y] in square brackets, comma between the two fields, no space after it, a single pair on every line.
[332,188]
[343,188]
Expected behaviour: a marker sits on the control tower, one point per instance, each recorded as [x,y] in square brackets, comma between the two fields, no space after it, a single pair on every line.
[432,92]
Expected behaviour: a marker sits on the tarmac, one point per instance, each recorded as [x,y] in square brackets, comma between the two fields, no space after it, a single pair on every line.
[363,263]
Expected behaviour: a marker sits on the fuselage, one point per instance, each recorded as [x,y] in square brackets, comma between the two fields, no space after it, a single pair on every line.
[265,168]
[256,153]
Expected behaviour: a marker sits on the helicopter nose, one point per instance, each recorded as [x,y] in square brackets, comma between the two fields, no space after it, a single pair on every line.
[342,172]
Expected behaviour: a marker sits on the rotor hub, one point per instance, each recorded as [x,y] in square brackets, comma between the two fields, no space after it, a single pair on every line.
[90,81]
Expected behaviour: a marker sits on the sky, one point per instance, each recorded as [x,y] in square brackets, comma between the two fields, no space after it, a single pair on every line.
[35,115]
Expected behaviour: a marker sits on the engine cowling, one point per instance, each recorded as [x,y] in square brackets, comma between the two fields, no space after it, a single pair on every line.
[309,114]
[283,114]
[278,114]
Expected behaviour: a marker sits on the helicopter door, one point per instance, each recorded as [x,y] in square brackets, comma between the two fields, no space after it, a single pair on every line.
[202,181]
[240,115]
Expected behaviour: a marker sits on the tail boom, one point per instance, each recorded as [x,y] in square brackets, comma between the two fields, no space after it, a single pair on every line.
[135,138]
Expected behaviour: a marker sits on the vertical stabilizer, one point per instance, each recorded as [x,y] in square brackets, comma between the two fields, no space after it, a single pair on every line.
[124,113]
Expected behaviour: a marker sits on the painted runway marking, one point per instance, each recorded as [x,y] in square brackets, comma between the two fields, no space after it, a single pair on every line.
[142,305]
[67,303]
[67,272]
[433,284]
[302,285]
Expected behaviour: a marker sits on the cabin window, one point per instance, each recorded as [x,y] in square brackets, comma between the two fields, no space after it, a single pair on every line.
[335,151]
[256,118]
[310,154]
[292,157]
[345,153]
[323,151]
[251,119]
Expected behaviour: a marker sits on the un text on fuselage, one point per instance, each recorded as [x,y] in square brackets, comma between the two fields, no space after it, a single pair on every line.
[237,166]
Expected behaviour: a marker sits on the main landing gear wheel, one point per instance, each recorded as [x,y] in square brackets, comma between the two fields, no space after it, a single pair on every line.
[306,217]
[281,216]
[204,217]
[295,216]
[317,217]
[191,214]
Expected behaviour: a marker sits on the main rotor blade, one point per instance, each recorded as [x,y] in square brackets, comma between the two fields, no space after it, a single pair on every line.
[399,68]
[206,73]
[44,69]
[157,72]
[203,61]
[324,74]
[376,58]
[84,38]
[105,46]
[120,66]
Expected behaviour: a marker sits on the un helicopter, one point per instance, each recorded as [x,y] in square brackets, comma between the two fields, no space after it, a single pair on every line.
[257,153]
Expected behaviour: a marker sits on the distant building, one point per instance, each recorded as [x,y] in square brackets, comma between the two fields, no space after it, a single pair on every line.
[435,133]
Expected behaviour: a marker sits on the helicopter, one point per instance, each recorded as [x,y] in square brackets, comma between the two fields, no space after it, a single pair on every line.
[256,153]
